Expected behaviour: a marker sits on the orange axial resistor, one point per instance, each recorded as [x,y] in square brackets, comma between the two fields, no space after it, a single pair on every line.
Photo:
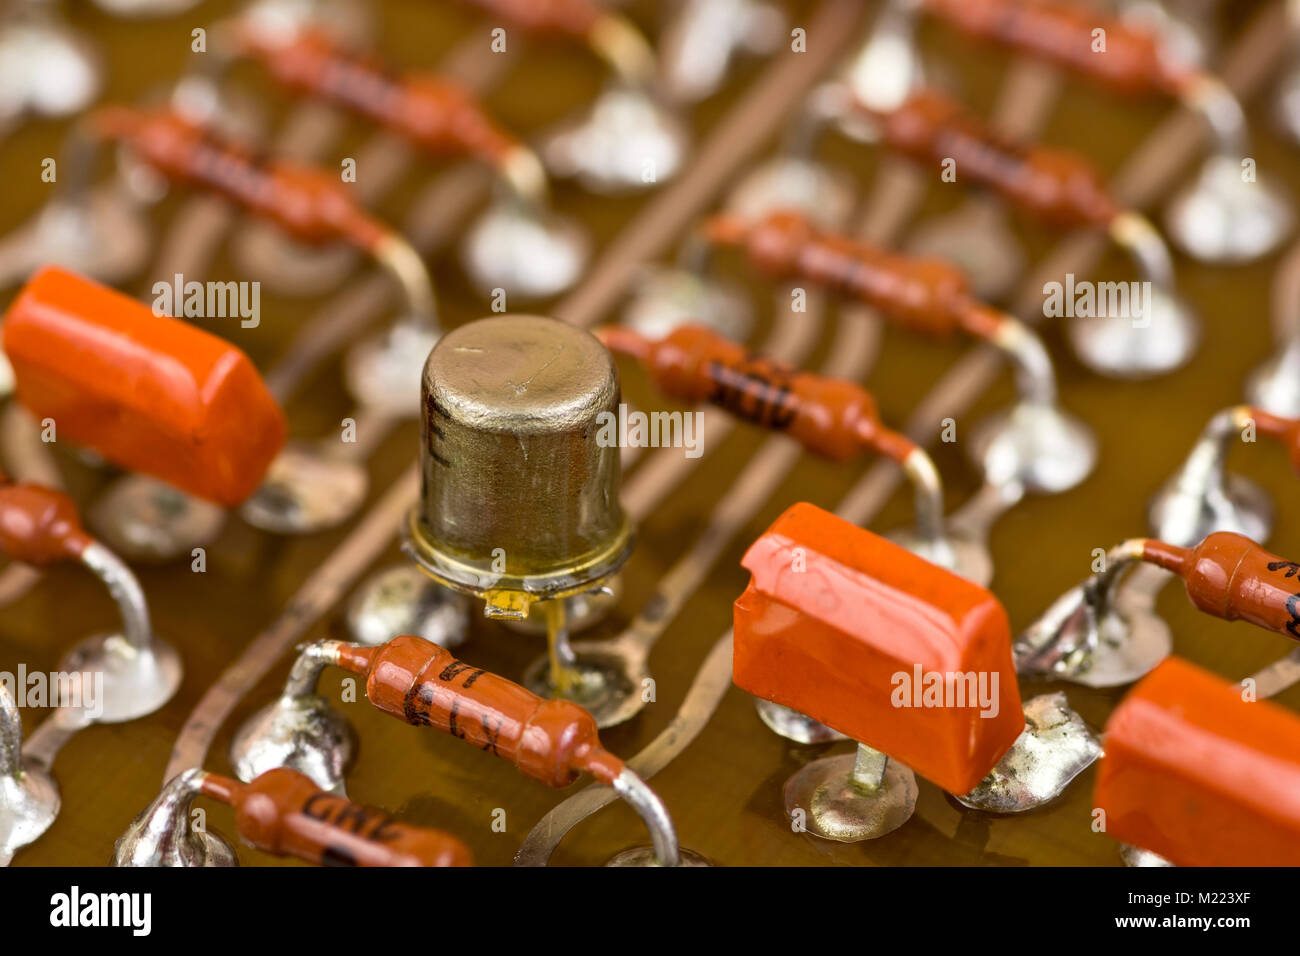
[39,525]
[1131,60]
[921,293]
[1231,577]
[1061,188]
[431,111]
[832,417]
[608,33]
[308,203]
[1278,428]
[283,813]
[550,740]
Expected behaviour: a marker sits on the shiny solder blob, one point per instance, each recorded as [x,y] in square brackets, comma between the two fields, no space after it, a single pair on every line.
[1092,637]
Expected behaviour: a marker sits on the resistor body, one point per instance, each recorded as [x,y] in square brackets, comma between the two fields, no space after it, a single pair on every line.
[1065,34]
[831,417]
[434,113]
[1060,188]
[1280,429]
[39,525]
[310,204]
[283,813]
[1231,577]
[921,293]
[421,683]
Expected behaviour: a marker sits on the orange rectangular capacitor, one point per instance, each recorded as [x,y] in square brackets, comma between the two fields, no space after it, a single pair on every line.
[861,634]
[1199,775]
[150,393]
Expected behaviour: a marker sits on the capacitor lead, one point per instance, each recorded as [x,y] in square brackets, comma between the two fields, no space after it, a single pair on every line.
[833,418]
[1222,216]
[518,244]
[281,812]
[1200,497]
[550,740]
[1091,635]
[628,128]
[1035,443]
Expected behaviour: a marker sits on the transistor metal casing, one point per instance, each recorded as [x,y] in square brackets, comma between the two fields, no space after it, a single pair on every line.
[519,496]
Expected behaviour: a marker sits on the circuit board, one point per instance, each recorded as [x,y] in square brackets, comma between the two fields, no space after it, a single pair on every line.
[259,595]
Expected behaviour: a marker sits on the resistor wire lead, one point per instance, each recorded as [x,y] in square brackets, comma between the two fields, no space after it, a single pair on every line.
[433,112]
[831,417]
[920,293]
[308,203]
[551,740]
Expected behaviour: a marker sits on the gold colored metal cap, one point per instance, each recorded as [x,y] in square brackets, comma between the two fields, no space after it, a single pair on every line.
[517,494]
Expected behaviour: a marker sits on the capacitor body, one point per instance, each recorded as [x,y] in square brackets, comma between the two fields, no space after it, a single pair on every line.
[1199,775]
[872,640]
[519,460]
[148,392]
